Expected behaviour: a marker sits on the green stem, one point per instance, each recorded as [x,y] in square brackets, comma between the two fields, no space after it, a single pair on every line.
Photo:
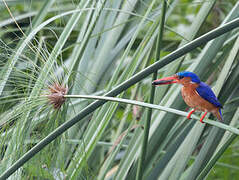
[120,88]
[143,155]
[215,158]
[157,107]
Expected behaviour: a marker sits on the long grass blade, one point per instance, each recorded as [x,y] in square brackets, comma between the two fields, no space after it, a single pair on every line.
[141,162]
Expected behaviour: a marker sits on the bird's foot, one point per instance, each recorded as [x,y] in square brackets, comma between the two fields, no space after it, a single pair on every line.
[203,116]
[190,113]
[201,120]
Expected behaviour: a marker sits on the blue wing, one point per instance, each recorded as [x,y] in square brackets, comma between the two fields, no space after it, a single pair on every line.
[206,93]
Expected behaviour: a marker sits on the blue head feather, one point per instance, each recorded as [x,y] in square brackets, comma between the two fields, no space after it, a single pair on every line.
[194,77]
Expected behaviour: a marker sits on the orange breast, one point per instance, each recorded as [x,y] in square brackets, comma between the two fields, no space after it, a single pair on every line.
[194,100]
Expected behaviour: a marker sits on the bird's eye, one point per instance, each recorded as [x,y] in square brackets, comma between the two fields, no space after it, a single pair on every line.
[180,77]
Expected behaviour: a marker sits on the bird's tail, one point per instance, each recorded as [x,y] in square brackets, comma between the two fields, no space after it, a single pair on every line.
[218,114]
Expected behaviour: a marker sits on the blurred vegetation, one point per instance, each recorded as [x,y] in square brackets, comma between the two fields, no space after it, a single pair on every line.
[93,50]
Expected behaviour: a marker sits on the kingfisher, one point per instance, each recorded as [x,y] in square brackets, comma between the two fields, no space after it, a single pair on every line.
[196,94]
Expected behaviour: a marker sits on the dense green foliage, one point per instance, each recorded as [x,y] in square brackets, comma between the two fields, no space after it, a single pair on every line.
[97,47]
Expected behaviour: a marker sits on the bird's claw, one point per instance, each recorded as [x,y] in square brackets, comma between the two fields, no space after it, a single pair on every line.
[189,116]
[190,113]
[203,116]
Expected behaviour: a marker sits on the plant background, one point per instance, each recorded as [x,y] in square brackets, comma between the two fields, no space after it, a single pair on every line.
[92,46]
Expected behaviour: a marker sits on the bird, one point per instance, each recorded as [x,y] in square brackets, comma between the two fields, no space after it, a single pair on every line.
[196,94]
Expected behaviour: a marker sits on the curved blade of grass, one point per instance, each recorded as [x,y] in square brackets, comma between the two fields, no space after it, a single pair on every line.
[113,152]
[158,107]
[145,40]
[31,36]
[216,157]
[170,151]
[100,121]
[102,61]
[12,61]
[95,44]
[227,134]
[209,50]
[179,161]
[110,159]
[230,84]
[102,118]
[138,57]
[228,64]
[74,60]
[141,162]
[18,18]
[73,167]
[219,153]
[7,69]
[23,131]
[120,88]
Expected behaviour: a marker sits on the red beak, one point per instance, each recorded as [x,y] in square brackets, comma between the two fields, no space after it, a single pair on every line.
[167,80]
